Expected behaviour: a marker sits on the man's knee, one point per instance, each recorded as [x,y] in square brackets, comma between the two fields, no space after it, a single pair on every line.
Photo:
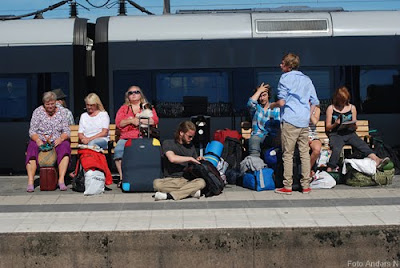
[156,184]
[200,182]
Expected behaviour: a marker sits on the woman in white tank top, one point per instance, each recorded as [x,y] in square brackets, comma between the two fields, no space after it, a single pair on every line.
[94,123]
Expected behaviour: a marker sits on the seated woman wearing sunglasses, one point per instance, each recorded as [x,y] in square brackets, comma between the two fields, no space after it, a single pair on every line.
[128,124]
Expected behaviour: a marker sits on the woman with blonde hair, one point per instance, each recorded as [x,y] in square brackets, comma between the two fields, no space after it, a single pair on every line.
[128,123]
[339,112]
[94,123]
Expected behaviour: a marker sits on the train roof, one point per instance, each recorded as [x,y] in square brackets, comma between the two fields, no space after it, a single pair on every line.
[244,25]
[37,32]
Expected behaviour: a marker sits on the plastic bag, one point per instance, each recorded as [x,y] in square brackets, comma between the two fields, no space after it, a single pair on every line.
[94,182]
[323,180]
[323,158]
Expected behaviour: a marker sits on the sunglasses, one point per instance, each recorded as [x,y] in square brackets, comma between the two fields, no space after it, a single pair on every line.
[134,92]
[189,136]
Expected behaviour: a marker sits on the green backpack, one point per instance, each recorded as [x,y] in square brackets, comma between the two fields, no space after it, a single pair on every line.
[358,179]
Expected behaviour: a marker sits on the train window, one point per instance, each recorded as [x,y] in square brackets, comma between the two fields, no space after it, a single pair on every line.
[321,80]
[60,80]
[13,98]
[380,90]
[171,87]
[122,80]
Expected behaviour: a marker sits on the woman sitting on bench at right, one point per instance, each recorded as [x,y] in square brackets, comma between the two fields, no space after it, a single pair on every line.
[341,111]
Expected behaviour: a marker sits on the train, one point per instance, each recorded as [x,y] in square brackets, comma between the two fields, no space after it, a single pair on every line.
[180,59]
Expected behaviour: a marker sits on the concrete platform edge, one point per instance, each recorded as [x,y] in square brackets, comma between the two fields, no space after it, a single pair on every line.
[363,246]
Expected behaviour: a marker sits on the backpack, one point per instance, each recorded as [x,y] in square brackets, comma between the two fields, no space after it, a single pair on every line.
[358,179]
[207,171]
[232,152]
[383,150]
[78,182]
[234,176]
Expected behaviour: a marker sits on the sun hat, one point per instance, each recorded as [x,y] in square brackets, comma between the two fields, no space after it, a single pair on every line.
[59,93]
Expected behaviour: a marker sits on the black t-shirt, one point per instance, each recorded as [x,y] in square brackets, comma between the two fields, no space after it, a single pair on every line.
[176,170]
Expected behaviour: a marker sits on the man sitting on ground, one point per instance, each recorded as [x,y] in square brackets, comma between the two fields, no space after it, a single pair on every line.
[177,154]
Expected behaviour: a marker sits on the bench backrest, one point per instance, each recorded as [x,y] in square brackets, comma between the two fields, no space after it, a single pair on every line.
[74,137]
[362,129]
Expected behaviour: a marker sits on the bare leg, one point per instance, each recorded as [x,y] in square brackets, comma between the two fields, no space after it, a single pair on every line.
[375,158]
[31,170]
[315,146]
[118,164]
[62,169]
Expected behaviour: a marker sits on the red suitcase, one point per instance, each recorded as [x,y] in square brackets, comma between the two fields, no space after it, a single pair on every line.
[48,178]
[221,134]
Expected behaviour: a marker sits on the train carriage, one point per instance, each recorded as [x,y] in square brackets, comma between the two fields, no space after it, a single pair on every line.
[218,57]
[223,56]
[37,56]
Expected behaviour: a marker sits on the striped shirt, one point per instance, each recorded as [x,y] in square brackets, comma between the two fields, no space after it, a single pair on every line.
[264,122]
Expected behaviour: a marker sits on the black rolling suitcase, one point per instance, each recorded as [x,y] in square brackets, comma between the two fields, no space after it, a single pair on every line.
[141,164]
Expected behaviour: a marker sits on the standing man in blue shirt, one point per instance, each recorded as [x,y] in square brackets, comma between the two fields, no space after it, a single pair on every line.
[295,93]
[265,121]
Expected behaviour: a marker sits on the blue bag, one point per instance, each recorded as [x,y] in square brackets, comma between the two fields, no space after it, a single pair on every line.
[259,180]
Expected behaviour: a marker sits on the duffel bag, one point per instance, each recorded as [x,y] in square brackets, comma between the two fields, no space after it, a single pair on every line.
[359,179]
[259,180]
[384,177]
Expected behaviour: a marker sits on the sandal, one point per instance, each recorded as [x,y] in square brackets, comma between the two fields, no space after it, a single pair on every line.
[30,188]
[383,163]
[119,184]
[62,187]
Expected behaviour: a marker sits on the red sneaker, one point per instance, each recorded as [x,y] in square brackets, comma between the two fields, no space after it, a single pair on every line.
[283,191]
[306,190]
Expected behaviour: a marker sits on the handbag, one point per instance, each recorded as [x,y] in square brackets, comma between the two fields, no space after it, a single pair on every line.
[47,155]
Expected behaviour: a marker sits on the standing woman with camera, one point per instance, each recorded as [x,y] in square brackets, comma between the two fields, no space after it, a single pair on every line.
[128,124]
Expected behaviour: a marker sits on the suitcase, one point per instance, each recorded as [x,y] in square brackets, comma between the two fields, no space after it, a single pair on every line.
[48,178]
[221,134]
[141,164]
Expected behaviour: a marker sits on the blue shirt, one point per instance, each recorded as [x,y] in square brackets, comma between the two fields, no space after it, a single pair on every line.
[297,90]
[264,122]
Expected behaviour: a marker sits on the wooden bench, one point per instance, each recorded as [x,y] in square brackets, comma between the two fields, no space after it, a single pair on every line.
[75,139]
[362,131]
[111,144]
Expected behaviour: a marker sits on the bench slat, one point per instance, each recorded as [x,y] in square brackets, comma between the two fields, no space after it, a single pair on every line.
[362,129]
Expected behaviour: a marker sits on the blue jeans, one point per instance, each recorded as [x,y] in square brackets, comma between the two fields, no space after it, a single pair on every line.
[119,149]
[101,142]
[256,144]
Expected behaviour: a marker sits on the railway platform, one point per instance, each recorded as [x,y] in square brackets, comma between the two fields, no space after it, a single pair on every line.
[339,227]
